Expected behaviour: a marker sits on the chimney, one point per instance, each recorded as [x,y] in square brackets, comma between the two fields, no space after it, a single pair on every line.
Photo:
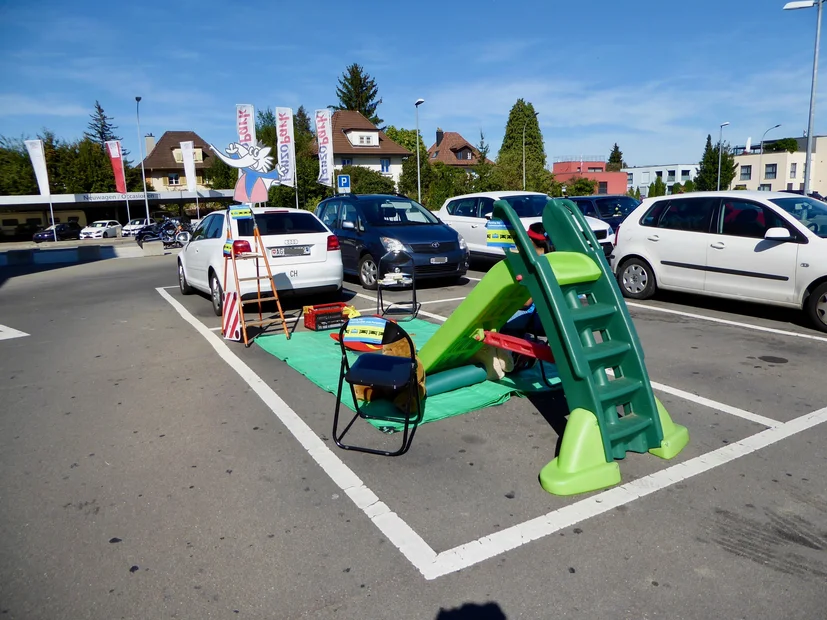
[149,143]
[439,135]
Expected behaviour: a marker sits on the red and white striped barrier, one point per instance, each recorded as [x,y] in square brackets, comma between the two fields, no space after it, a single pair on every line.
[231,319]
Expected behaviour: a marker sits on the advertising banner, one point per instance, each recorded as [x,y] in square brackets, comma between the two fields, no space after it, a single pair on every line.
[324,138]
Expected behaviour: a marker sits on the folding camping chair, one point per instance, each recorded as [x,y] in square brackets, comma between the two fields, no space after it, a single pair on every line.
[391,375]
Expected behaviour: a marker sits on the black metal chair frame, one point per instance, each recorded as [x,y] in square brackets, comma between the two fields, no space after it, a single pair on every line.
[350,374]
[411,307]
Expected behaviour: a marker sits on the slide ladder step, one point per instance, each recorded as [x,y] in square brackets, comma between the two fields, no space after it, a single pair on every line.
[591,314]
[627,426]
[618,391]
[606,354]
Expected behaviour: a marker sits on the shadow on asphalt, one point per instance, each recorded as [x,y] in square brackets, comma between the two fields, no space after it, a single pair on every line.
[473,611]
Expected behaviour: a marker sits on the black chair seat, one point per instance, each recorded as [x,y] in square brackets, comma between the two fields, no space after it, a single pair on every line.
[376,370]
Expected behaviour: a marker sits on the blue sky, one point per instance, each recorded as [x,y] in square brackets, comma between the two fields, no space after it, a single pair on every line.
[654,76]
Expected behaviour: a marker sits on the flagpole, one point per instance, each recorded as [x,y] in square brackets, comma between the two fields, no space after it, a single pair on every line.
[197,208]
[126,197]
[296,184]
[52,213]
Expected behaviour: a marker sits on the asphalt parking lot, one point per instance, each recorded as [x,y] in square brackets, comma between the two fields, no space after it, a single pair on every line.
[151,469]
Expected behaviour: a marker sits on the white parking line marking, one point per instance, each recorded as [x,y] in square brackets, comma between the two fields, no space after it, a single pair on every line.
[7,333]
[466,555]
[413,546]
[473,279]
[438,317]
[712,404]
[399,533]
[215,329]
[712,319]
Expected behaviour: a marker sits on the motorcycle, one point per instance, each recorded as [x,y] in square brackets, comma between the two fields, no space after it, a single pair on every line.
[171,233]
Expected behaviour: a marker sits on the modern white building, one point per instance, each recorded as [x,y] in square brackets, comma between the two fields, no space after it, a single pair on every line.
[641,177]
[781,171]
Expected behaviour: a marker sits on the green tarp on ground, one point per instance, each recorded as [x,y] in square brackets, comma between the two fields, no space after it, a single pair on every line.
[318,357]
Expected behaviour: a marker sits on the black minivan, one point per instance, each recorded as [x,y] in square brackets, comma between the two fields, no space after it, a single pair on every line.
[370,226]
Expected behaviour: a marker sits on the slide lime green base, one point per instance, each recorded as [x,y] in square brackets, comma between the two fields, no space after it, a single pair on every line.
[581,465]
[675,436]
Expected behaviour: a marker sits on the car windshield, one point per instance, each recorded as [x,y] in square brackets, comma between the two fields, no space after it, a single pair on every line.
[285,223]
[528,205]
[395,212]
[617,206]
[99,225]
[135,222]
[810,212]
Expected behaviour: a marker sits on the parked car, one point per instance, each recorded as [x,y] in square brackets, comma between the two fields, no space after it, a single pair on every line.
[68,230]
[370,226]
[765,247]
[101,229]
[469,213]
[612,209]
[303,254]
[134,226]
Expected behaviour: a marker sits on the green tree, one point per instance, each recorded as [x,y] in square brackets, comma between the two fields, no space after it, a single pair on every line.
[407,180]
[357,91]
[637,193]
[405,138]
[366,181]
[707,177]
[445,182]
[266,129]
[100,129]
[689,186]
[16,172]
[221,176]
[615,162]
[658,188]
[581,186]
[508,175]
[784,144]
[631,192]
[483,180]
[676,188]
[86,168]
[523,117]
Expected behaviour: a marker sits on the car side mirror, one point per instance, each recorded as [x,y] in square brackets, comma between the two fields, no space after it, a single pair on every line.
[777,233]
[488,216]
[348,225]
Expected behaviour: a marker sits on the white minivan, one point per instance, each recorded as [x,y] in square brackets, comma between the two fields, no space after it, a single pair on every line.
[303,254]
[468,215]
[765,247]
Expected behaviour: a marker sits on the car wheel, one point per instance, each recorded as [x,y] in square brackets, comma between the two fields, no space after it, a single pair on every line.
[817,307]
[636,279]
[216,294]
[186,289]
[368,272]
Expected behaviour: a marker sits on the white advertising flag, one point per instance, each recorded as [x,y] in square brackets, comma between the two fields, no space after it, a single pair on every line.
[287,146]
[35,148]
[245,122]
[188,155]
[324,138]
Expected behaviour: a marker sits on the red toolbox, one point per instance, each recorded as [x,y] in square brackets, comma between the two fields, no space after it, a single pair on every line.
[324,316]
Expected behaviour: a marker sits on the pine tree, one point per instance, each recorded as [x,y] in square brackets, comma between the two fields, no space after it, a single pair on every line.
[523,117]
[100,129]
[484,169]
[358,91]
[658,188]
[615,162]
[266,130]
[689,186]
[707,178]
[637,193]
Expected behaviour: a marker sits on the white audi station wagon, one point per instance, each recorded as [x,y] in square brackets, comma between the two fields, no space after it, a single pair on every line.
[765,247]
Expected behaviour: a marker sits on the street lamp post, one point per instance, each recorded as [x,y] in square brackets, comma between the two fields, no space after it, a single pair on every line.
[808,4]
[140,152]
[418,103]
[761,156]
[524,126]
[720,149]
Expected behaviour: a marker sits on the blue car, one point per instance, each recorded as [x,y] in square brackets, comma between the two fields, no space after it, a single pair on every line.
[370,226]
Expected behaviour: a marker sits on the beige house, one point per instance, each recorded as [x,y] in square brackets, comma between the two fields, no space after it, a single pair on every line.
[782,171]
[358,142]
[164,164]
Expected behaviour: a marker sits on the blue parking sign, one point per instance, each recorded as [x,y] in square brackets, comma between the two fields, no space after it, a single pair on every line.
[343,183]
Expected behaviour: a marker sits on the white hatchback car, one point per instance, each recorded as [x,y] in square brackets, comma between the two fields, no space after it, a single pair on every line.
[764,247]
[468,215]
[101,229]
[303,254]
[134,225]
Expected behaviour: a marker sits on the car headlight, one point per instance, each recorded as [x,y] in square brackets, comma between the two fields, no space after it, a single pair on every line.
[462,244]
[392,245]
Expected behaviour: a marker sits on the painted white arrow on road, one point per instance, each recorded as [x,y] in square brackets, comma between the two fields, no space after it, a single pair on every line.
[7,333]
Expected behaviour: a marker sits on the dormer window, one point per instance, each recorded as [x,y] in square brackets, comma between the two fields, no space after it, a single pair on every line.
[365,140]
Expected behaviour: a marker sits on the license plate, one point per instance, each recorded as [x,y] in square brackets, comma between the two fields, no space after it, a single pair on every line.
[290,250]
[439,260]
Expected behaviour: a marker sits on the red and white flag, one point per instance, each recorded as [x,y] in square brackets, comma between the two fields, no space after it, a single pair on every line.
[231,321]
[324,138]
[113,148]
[287,146]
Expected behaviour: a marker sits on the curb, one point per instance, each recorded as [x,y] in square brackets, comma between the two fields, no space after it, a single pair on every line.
[83,254]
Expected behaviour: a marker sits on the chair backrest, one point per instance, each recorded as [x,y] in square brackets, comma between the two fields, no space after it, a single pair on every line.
[374,332]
